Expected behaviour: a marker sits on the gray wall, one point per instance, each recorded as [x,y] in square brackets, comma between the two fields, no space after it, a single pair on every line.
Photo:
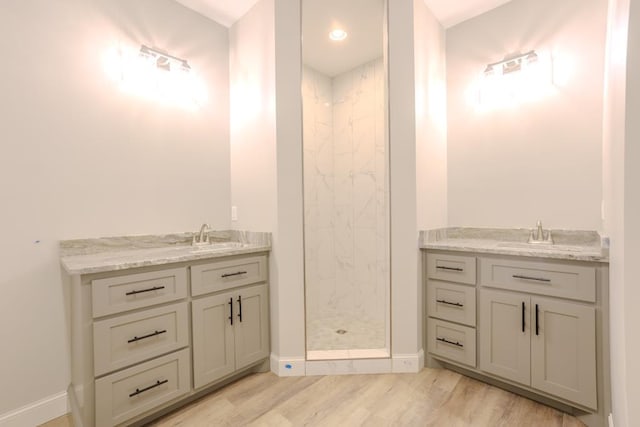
[79,158]
[537,160]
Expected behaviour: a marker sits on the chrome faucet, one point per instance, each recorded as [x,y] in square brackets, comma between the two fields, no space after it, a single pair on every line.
[540,237]
[203,236]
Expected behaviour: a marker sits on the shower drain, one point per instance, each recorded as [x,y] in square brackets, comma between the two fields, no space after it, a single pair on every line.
[341,331]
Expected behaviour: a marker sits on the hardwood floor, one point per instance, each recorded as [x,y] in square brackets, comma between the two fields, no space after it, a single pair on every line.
[433,397]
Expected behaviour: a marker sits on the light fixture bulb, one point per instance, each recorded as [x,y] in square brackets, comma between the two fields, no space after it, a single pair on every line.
[338,35]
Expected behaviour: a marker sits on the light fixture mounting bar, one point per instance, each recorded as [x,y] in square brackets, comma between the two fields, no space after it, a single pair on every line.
[157,53]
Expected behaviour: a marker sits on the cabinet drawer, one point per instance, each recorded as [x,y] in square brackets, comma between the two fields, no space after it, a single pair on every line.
[453,268]
[123,293]
[545,278]
[129,339]
[126,394]
[226,274]
[451,341]
[448,301]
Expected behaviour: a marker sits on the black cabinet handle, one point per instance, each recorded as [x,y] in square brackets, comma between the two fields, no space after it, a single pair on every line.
[231,310]
[440,267]
[142,390]
[455,304]
[233,274]
[240,307]
[152,334]
[155,288]
[537,279]
[444,340]
[537,324]
[523,316]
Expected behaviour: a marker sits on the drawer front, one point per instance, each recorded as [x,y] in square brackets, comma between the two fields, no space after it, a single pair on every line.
[226,274]
[448,301]
[545,278]
[451,341]
[134,391]
[129,339]
[124,293]
[453,268]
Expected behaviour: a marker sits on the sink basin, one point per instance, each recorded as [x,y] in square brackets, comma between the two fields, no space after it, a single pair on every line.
[558,248]
[221,246]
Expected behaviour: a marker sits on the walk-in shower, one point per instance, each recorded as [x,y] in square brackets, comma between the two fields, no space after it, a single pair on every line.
[346,179]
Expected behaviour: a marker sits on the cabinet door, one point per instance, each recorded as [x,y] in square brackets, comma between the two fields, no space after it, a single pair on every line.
[563,350]
[213,354]
[504,335]
[251,325]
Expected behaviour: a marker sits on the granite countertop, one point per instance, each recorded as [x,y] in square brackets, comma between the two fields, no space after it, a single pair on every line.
[568,244]
[98,255]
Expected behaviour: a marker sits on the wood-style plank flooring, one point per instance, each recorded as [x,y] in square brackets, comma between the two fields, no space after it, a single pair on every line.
[433,397]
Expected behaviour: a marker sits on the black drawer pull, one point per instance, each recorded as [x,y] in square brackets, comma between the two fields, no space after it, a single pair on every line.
[142,390]
[537,279]
[240,307]
[523,324]
[155,288]
[231,310]
[152,334]
[444,340]
[234,274]
[537,322]
[455,304]
[440,267]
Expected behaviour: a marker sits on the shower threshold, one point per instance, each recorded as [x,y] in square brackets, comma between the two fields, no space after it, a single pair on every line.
[366,353]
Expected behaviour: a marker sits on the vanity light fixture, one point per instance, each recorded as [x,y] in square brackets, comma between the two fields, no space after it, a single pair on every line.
[516,79]
[154,74]
[337,35]
[511,63]
[163,60]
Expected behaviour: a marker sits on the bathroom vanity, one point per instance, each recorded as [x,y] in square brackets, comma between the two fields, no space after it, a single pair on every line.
[529,318]
[156,322]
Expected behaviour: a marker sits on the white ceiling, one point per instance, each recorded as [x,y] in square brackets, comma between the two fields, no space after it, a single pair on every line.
[448,12]
[362,19]
[452,12]
[225,12]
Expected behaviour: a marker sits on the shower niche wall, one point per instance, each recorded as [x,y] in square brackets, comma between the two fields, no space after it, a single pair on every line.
[346,190]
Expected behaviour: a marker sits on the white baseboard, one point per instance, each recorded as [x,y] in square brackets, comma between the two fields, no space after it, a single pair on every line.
[38,412]
[348,367]
[288,367]
[407,363]
[399,363]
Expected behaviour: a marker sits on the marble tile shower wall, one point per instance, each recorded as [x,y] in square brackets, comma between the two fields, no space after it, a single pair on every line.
[346,193]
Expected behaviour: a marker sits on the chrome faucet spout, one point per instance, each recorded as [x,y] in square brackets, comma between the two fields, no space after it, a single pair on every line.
[202,238]
[539,236]
[539,233]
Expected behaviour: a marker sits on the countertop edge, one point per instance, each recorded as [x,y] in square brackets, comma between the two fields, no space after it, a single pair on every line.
[532,253]
[110,267]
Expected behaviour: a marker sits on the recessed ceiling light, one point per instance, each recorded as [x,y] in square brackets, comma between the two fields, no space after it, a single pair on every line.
[338,35]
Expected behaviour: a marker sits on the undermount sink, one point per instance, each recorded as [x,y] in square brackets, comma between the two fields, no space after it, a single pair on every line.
[519,245]
[217,246]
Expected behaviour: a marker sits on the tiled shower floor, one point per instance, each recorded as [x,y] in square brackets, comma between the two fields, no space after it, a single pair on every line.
[361,333]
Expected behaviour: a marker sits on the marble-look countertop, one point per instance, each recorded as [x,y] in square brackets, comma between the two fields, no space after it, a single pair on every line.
[84,256]
[568,244]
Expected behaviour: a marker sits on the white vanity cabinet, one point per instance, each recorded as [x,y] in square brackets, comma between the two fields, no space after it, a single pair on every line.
[539,325]
[143,341]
